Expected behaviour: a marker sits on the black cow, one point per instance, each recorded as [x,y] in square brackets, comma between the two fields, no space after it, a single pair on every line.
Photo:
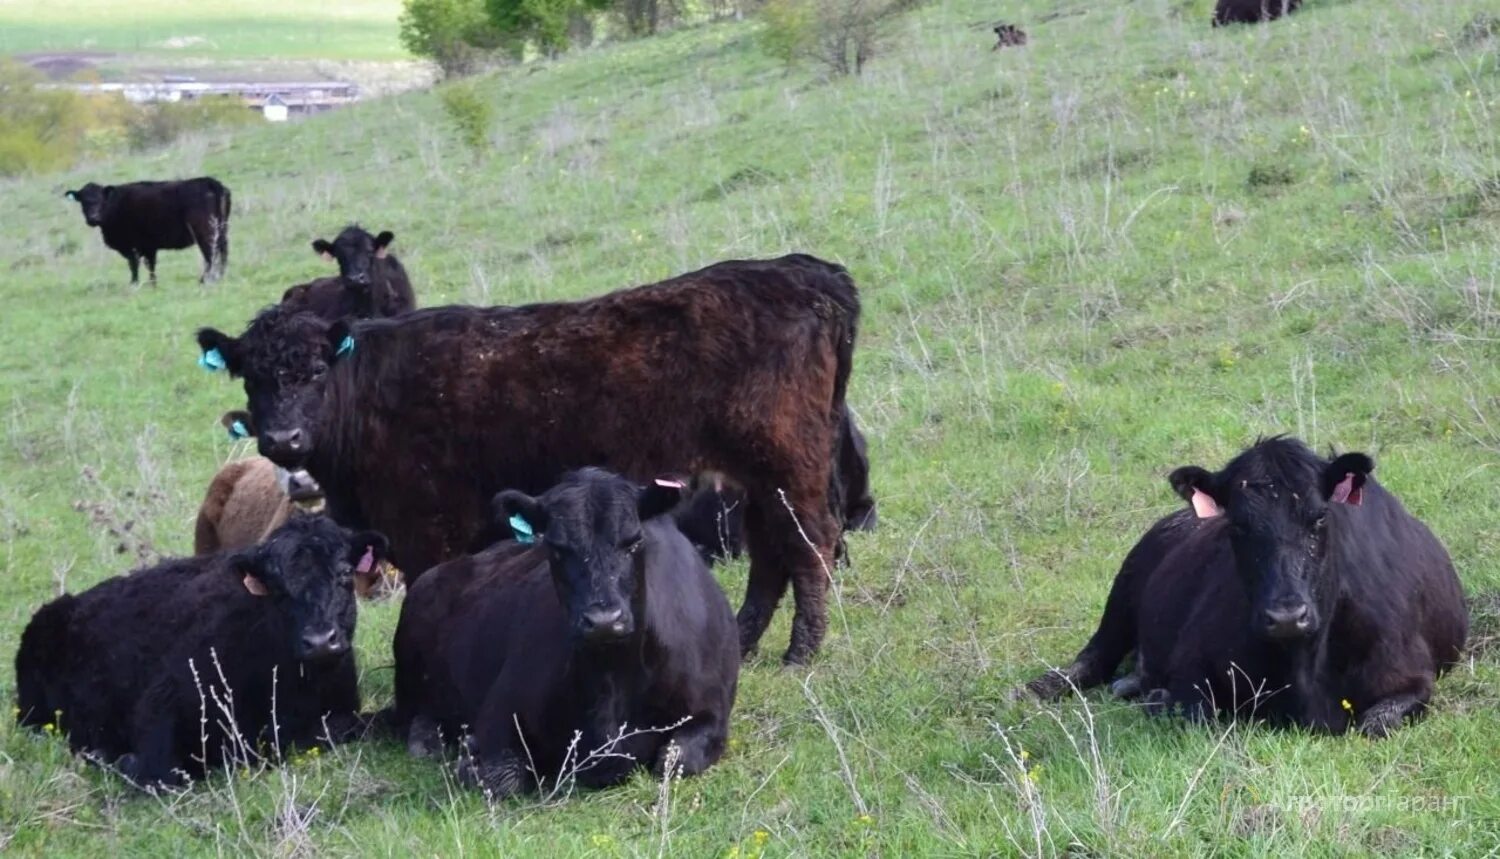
[146,670]
[1297,589]
[713,516]
[1252,11]
[411,424]
[371,282]
[141,218]
[609,626]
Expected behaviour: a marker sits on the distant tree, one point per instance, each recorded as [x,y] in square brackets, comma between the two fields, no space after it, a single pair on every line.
[455,34]
[844,35]
[543,23]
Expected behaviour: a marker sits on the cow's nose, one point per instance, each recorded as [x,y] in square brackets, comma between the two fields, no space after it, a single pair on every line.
[603,622]
[291,440]
[1287,621]
[360,278]
[321,645]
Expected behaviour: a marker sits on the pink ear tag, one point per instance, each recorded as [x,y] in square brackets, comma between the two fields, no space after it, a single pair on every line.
[1346,492]
[254,586]
[1205,506]
[366,561]
[670,484]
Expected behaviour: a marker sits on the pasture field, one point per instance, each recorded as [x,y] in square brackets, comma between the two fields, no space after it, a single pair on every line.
[219,29]
[1135,243]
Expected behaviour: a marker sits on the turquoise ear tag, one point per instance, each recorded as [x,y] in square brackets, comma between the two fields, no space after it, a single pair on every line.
[237,431]
[522,528]
[346,347]
[211,360]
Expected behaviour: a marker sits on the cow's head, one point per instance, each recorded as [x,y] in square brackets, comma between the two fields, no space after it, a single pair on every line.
[284,358]
[590,524]
[91,197]
[1276,498]
[306,568]
[356,252]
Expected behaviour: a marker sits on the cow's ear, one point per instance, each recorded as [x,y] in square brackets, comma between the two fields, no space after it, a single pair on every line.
[523,515]
[1343,480]
[238,424]
[383,243]
[323,249]
[366,549]
[71,195]
[1198,487]
[341,339]
[247,567]
[220,351]
[660,496]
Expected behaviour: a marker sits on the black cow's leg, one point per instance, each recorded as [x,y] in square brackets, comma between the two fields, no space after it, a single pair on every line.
[150,765]
[150,257]
[812,577]
[699,744]
[206,248]
[768,578]
[1388,714]
[135,266]
[1098,660]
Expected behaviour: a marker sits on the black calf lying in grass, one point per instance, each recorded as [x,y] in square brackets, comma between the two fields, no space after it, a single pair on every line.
[585,654]
[173,670]
[1295,589]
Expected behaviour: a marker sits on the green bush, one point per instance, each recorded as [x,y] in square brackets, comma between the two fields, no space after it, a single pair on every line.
[153,125]
[787,29]
[844,35]
[471,116]
[455,34]
[40,129]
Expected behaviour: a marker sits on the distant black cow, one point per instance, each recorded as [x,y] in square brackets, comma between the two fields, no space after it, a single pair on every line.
[609,626]
[1252,11]
[713,516]
[141,218]
[410,424]
[127,668]
[371,281]
[1305,595]
[1008,36]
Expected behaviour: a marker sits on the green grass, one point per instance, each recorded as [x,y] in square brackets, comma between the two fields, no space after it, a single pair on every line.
[1134,244]
[221,29]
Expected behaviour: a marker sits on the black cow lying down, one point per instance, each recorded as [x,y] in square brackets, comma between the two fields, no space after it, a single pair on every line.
[140,218]
[1252,11]
[125,668]
[713,515]
[1294,589]
[609,625]
[371,282]
[411,424]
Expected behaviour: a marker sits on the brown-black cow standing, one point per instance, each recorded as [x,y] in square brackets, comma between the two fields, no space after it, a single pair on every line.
[1252,11]
[410,424]
[1296,589]
[371,282]
[141,218]
[610,626]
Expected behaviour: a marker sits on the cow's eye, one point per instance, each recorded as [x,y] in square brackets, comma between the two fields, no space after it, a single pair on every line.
[631,544]
[318,370]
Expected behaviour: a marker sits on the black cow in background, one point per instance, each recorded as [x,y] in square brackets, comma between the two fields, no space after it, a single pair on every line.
[1252,11]
[371,282]
[713,516]
[141,218]
[1303,593]
[124,668]
[609,624]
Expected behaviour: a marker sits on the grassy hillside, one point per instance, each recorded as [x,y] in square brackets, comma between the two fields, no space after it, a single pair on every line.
[362,29]
[1134,244]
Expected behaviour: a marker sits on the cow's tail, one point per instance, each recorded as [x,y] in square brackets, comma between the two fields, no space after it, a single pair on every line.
[44,642]
[839,307]
[221,232]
